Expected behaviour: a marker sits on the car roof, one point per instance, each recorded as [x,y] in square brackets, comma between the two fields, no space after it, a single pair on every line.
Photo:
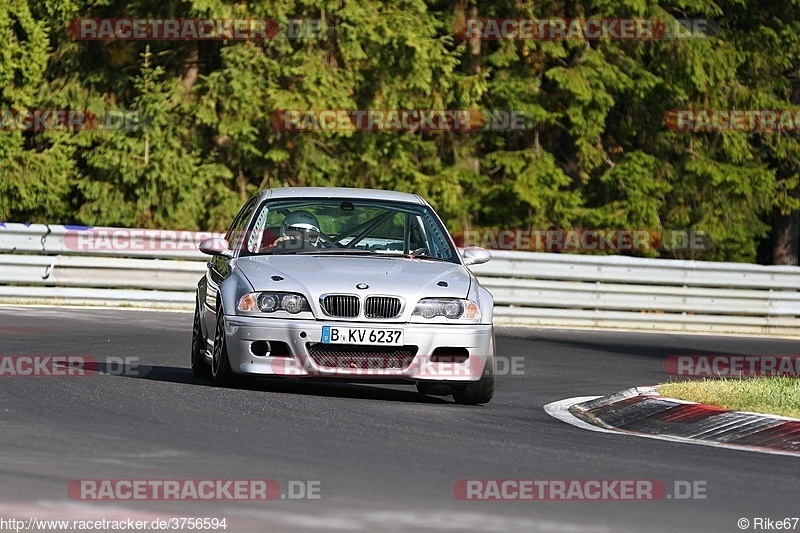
[341,192]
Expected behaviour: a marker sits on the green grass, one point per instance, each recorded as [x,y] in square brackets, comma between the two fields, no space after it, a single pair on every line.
[770,395]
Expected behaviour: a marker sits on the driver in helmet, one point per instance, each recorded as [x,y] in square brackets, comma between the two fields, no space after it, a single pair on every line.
[299,229]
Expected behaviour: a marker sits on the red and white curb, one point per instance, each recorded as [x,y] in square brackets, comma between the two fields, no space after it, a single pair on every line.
[642,412]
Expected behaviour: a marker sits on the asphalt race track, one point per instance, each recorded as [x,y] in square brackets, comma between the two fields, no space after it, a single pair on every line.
[386,458]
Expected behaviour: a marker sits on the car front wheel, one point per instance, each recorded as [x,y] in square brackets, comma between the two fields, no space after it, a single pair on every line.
[477,392]
[221,372]
[199,366]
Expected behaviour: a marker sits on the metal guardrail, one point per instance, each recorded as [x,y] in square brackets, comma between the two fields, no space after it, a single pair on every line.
[95,241]
[117,266]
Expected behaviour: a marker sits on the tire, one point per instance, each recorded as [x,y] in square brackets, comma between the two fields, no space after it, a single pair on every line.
[221,372]
[199,366]
[477,392]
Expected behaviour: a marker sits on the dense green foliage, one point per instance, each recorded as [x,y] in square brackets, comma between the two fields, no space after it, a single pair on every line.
[599,156]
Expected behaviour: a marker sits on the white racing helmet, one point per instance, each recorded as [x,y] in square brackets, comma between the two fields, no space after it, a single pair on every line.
[301,224]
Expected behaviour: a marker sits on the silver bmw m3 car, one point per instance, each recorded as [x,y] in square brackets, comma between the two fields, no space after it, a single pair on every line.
[349,284]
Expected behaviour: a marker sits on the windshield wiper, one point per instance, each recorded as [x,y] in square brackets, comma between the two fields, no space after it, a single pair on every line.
[279,252]
[411,256]
[335,251]
[321,251]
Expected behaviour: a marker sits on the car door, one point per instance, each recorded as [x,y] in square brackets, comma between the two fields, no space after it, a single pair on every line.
[219,265]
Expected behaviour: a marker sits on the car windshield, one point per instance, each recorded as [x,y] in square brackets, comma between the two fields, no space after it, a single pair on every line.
[351,227]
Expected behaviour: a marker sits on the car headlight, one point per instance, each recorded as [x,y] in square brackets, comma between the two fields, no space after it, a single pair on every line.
[294,303]
[452,308]
[269,302]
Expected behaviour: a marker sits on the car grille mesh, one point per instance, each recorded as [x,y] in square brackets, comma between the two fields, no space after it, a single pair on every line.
[341,305]
[355,356]
[381,307]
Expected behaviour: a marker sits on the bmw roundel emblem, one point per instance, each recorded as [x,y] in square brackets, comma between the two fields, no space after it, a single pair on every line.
[362,286]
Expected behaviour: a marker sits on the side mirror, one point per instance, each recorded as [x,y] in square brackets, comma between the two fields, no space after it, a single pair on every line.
[475,255]
[216,246]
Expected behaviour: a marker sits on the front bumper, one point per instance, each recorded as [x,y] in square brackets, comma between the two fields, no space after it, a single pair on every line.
[241,332]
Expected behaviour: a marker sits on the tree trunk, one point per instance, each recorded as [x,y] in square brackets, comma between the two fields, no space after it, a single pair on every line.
[787,237]
[786,248]
[242,181]
[191,68]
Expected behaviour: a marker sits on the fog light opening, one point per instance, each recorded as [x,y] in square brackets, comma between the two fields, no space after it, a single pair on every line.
[450,354]
[260,348]
[280,349]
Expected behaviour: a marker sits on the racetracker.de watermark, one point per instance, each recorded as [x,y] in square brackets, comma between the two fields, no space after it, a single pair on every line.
[366,365]
[584,240]
[733,120]
[47,366]
[732,366]
[25,366]
[71,120]
[193,489]
[193,29]
[579,489]
[586,29]
[134,240]
[460,120]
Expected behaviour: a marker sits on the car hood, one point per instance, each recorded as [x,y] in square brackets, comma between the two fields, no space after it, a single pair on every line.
[314,276]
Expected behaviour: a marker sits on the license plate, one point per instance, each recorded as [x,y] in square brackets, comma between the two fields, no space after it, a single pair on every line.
[383,337]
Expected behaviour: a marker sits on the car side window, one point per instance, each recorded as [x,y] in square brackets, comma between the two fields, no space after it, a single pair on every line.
[234,234]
